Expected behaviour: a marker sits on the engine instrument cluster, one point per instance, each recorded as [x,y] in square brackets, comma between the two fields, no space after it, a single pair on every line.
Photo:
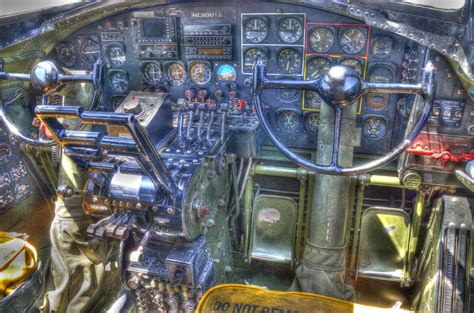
[180,50]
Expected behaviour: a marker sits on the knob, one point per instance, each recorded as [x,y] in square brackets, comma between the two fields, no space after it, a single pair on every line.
[341,86]
[45,77]
[64,191]
[133,106]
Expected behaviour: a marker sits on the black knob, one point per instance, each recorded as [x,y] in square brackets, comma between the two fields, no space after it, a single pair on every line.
[340,86]
[64,191]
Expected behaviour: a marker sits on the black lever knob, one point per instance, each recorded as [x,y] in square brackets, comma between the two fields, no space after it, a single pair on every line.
[340,86]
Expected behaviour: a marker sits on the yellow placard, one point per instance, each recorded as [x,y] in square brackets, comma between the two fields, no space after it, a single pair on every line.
[232,298]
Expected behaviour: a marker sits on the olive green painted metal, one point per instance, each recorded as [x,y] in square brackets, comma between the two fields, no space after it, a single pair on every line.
[302,175]
[382,180]
[415,233]
[273,229]
[247,215]
[467,181]
[327,234]
[358,215]
[444,262]
[352,194]
[385,257]
[299,226]
[279,171]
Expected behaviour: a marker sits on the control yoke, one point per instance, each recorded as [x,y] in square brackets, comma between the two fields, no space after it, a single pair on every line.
[46,77]
[339,88]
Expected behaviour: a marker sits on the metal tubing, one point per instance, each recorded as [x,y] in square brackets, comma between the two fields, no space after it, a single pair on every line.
[355,239]
[279,171]
[247,215]
[382,180]
[81,137]
[208,130]
[16,132]
[352,195]
[59,111]
[299,229]
[392,88]
[415,230]
[236,211]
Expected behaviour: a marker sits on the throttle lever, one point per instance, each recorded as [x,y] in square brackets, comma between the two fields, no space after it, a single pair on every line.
[190,121]
[212,108]
[201,108]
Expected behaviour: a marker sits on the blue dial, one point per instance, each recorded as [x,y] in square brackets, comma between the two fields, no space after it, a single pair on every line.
[226,72]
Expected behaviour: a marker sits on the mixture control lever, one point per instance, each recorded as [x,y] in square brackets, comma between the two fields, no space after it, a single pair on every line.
[137,255]
[181,106]
[201,108]
[224,108]
[212,108]
[191,107]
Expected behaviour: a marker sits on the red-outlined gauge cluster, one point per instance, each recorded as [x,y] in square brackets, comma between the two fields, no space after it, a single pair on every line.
[329,44]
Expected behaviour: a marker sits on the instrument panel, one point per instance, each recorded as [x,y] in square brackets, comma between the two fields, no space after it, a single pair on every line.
[209,49]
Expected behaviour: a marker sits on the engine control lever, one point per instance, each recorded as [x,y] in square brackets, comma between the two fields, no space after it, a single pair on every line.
[224,109]
[137,255]
[190,120]
[201,108]
[212,107]
[181,107]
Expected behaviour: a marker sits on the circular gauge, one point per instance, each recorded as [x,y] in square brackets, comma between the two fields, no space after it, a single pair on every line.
[176,73]
[252,56]
[353,41]
[312,100]
[119,82]
[316,67]
[288,121]
[382,47]
[255,30]
[200,73]
[290,30]
[90,50]
[374,128]
[116,56]
[152,73]
[380,74]
[66,54]
[290,60]
[354,64]
[286,94]
[311,123]
[226,72]
[321,39]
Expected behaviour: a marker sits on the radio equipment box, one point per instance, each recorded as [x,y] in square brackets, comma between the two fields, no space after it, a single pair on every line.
[209,42]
